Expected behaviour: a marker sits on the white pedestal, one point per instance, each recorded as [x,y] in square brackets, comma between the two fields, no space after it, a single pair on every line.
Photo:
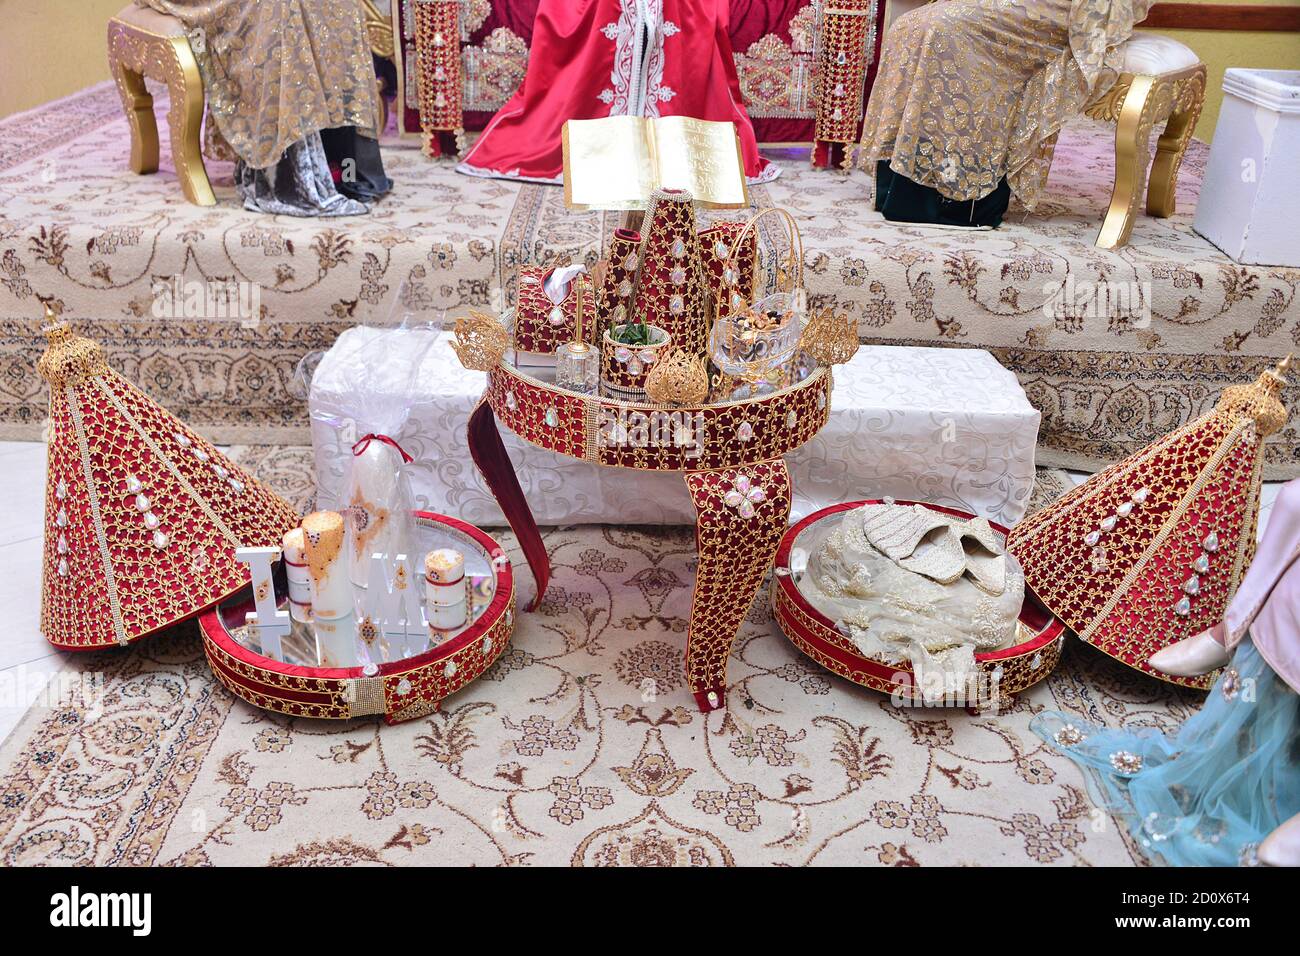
[1250,198]
[948,426]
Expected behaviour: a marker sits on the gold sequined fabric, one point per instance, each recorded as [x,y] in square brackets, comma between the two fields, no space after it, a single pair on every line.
[970,91]
[275,71]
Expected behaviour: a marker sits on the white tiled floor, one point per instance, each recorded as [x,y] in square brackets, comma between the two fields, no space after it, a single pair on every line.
[25,659]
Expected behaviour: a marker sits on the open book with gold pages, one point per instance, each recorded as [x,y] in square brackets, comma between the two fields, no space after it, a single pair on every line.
[618,161]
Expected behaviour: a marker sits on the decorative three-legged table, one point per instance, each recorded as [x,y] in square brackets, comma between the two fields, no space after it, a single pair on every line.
[729,453]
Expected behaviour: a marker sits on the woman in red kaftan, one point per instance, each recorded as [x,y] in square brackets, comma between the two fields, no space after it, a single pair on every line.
[595,58]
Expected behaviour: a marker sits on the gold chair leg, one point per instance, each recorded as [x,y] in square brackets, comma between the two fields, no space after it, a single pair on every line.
[186,120]
[1132,154]
[137,101]
[1172,146]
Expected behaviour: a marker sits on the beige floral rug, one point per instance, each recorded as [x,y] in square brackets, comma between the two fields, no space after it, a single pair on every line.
[580,746]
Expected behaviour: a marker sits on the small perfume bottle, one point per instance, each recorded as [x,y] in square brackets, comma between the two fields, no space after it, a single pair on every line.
[577,363]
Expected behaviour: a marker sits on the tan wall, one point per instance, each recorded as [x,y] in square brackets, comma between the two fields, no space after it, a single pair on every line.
[1221,49]
[50,48]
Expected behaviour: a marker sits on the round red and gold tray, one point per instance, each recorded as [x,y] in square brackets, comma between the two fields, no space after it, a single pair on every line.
[1004,672]
[401,689]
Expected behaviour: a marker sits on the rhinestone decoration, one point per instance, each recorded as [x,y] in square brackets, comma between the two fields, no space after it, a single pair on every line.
[1192,585]
[142,503]
[1140,495]
[61,490]
[450,669]
[678,275]
[133,484]
[220,471]
[1126,762]
[1091,538]
[150,520]
[743,496]
[1068,736]
[1211,543]
[679,249]
[720,249]
[791,420]
[630,262]
[487,646]
[403,687]
[181,440]
[745,432]
[676,305]
[159,540]
[236,486]
[1108,523]
[552,417]
[63,567]
[1125,509]
[61,519]
[1230,684]
[200,454]
[511,402]
[1201,565]
[1183,607]
[556,318]
[625,288]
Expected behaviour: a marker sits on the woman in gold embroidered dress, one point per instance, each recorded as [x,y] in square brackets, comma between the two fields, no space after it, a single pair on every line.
[279,74]
[971,94]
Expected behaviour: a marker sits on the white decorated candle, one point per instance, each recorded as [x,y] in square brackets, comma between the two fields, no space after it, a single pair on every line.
[445,592]
[336,641]
[327,566]
[295,569]
[376,522]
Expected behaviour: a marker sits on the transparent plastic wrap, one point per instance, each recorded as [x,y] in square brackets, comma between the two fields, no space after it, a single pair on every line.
[381,376]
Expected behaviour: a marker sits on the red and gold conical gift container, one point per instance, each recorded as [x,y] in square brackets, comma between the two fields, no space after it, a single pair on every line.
[671,290]
[1151,550]
[142,516]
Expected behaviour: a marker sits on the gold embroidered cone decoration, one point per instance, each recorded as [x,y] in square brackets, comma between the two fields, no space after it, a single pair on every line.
[142,515]
[1151,550]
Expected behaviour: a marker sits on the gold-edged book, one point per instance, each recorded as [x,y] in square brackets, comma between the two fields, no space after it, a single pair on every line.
[618,161]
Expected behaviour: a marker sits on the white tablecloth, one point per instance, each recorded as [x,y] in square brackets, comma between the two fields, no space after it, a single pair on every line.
[949,426]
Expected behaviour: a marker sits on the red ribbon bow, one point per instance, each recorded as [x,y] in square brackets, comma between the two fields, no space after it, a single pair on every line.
[364,442]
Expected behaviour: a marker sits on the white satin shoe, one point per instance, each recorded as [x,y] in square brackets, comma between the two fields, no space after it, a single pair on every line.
[1192,656]
[1282,846]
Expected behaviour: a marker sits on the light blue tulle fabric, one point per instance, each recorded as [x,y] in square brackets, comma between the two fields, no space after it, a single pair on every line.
[1207,795]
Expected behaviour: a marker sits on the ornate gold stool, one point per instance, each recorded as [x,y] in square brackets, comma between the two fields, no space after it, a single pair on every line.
[1163,81]
[144,43]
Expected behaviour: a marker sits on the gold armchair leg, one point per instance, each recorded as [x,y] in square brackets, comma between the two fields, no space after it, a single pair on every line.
[186,120]
[138,104]
[1188,96]
[1132,154]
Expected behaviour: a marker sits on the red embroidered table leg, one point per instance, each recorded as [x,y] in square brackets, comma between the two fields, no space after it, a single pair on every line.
[489,454]
[741,514]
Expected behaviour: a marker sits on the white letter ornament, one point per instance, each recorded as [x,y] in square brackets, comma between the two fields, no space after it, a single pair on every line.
[268,624]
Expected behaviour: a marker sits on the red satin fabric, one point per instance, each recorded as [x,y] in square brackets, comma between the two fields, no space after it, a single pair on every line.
[582,65]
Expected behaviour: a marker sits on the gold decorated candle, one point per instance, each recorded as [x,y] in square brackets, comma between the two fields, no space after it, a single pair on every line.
[294,547]
[444,586]
[327,565]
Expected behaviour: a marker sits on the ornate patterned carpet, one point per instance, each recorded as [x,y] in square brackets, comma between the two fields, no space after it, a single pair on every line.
[78,229]
[581,746]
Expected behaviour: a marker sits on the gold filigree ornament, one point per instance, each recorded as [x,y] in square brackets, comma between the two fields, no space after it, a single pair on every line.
[830,339]
[481,341]
[678,378]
